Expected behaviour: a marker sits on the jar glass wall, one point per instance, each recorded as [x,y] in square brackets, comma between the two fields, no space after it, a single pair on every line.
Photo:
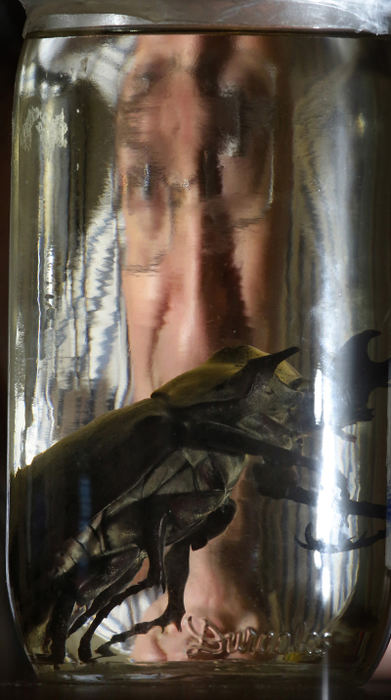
[201,218]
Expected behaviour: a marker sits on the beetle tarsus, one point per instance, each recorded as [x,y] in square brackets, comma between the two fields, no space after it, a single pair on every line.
[344,546]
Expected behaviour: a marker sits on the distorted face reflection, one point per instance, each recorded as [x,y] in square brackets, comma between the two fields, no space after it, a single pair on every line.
[195,139]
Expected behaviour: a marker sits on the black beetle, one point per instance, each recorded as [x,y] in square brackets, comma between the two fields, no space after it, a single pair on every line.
[152,480]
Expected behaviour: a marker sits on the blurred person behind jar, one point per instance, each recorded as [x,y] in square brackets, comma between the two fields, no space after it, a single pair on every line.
[202,266]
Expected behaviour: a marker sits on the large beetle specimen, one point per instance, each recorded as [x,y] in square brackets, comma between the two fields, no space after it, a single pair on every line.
[152,480]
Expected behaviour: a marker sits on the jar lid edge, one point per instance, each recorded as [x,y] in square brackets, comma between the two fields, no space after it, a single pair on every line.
[351,16]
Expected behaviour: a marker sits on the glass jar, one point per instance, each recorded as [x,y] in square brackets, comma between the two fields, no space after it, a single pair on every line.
[199,340]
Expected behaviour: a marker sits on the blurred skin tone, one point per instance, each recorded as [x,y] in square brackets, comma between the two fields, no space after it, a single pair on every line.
[195,162]
[205,223]
[195,165]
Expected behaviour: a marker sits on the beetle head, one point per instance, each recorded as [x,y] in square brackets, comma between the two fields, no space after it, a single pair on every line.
[231,373]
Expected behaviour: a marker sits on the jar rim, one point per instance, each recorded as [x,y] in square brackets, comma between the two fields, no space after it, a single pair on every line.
[335,16]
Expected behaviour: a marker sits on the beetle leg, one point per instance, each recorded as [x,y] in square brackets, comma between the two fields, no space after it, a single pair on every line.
[355,375]
[313,544]
[177,571]
[102,605]
[346,506]
[344,545]
[154,547]
[227,439]
[94,572]
[57,627]
[216,523]
[106,595]
[279,482]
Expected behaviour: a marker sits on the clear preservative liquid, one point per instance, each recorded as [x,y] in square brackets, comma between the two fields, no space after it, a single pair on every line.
[203,218]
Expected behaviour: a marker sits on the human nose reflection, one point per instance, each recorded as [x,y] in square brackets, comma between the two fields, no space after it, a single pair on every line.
[195,158]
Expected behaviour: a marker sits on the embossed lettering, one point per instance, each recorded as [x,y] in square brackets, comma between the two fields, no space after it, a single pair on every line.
[207,641]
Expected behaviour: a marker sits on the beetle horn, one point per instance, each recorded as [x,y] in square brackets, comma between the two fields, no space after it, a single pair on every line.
[259,367]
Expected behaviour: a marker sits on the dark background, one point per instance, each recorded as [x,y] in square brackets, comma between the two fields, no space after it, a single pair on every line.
[15,674]
[12,662]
